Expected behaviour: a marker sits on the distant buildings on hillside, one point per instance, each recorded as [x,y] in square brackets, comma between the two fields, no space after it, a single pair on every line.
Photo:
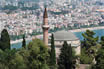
[69,15]
[1,27]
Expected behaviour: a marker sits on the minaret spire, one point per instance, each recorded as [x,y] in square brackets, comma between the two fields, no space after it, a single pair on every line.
[45,27]
[45,13]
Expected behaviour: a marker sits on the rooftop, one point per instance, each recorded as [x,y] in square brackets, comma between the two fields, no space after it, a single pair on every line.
[65,36]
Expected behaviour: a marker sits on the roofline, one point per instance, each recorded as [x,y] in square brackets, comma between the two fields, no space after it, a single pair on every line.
[61,45]
[76,46]
[65,40]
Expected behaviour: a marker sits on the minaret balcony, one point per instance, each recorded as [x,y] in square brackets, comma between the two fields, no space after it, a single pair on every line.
[45,26]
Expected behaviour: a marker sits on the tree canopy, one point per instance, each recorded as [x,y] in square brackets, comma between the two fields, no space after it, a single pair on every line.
[52,53]
[66,57]
[99,60]
[89,39]
[4,40]
[90,46]
[35,57]
[24,42]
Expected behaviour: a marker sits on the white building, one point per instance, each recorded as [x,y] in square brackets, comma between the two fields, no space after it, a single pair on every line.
[61,36]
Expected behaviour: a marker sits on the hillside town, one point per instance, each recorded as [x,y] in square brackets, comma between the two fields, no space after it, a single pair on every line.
[26,17]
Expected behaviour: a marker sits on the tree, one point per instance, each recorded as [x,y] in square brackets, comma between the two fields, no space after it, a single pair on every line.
[89,39]
[52,53]
[35,57]
[102,41]
[66,57]
[99,60]
[5,40]
[90,47]
[85,58]
[90,43]
[39,55]
[6,57]
[17,62]
[24,42]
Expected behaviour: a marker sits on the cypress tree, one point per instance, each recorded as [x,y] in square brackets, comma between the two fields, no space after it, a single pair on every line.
[24,42]
[4,40]
[52,53]
[102,41]
[65,60]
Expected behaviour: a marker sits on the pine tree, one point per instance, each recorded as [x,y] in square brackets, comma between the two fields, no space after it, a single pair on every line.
[65,60]
[90,44]
[52,53]
[89,39]
[24,42]
[99,60]
[5,40]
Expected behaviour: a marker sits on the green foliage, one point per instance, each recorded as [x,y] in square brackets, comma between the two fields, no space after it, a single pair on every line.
[90,47]
[5,40]
[17,62]
[36,57]
[85,58]
[66,57]
[89,39]
[102,41]
[99,60]
[52,53]
[5,58]
[24,42]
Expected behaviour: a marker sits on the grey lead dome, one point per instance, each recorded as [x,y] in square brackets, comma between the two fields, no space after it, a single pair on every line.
[64,36]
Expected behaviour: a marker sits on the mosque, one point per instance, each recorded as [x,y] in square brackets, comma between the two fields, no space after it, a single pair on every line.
[60,37]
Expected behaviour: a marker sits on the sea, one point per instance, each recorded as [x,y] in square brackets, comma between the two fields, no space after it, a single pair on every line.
[99,33]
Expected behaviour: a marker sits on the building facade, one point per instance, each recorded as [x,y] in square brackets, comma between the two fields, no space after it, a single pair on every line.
[61,36]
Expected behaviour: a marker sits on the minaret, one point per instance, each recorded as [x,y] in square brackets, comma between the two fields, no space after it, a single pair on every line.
[45,27]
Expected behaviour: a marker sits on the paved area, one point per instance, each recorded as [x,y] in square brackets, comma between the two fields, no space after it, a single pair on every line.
[84,66]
